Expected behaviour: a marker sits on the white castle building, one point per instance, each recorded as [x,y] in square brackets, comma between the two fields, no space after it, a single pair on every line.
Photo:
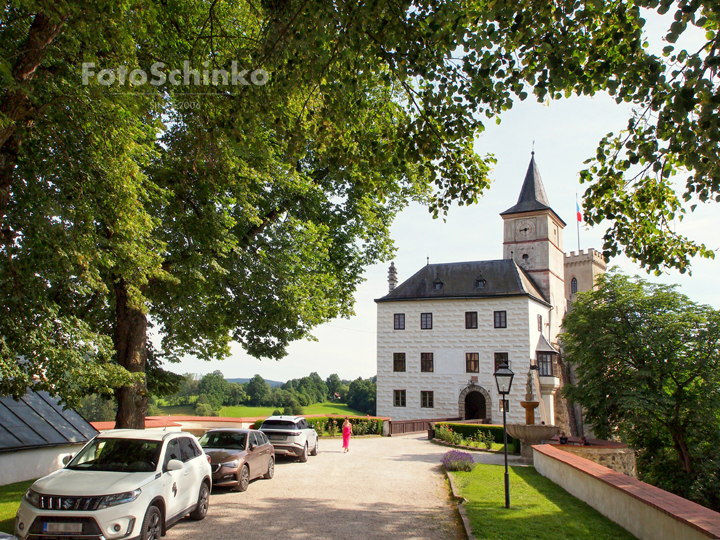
[442,332]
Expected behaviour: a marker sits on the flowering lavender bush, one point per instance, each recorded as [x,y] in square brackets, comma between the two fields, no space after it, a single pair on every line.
[454,460]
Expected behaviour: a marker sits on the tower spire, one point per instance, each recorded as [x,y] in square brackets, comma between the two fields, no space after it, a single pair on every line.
[532,194]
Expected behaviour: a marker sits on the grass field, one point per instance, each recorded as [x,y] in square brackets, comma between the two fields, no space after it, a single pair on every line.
[240,412]
[10,497]
[539,509]
[317,408]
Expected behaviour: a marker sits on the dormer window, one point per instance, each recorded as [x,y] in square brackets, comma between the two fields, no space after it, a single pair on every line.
[480,282]
[437,285]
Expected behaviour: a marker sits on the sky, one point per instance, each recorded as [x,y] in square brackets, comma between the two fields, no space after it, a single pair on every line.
[563,134]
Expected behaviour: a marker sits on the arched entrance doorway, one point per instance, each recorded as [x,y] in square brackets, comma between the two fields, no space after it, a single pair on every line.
[474,403]
[475,408]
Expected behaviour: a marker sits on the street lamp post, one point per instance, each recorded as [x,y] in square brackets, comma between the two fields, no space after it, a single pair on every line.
[503,379]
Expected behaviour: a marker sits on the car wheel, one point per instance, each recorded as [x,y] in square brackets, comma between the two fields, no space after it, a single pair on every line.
[244,480]
[316,448]
[202,505]
[152,524]
[271,469]
[303,456]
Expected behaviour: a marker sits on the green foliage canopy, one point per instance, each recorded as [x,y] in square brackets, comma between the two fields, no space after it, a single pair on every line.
[249,215]
[648,367]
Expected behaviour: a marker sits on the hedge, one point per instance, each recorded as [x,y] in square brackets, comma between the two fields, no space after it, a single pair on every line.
[471,430]
[361,424]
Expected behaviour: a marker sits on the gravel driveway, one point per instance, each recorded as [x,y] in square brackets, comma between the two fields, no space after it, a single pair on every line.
[383,488]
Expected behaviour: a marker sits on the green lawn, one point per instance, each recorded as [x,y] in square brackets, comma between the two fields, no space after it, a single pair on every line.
[10,497]
[240,411]
[178,410]
[539,509]
[317,408]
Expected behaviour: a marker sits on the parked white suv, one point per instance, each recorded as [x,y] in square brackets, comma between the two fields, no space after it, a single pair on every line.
[124,483]
[291,436]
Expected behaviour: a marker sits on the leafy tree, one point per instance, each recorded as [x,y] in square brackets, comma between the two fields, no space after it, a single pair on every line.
[293,408]
[215,387]
[203,407]
[236,395]
[648,367]
[95,408]
[333,384]
[187,390]
[258,391]
[250,215]
[361,395]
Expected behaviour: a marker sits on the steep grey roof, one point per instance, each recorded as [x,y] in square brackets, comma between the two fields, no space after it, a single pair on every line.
[458,280]
[532,194]
[38,420]
[544,347]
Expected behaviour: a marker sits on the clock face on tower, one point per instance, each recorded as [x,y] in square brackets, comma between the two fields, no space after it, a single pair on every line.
[525,229]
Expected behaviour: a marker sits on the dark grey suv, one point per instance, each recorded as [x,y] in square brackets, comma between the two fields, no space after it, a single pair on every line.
[291,436]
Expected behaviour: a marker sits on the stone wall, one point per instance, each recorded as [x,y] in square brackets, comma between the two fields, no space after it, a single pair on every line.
[621,460]
[647,512]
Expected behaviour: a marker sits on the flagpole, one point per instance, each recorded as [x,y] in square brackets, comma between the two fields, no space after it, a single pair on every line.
[578,220]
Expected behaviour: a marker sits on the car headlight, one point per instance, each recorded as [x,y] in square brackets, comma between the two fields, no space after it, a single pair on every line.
[233,464]
[33,498]
[119,498]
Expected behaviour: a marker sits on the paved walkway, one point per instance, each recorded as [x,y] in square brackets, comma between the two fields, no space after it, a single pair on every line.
[383,488]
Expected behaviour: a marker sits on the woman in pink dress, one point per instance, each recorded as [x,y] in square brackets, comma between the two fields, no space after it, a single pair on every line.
[347,431]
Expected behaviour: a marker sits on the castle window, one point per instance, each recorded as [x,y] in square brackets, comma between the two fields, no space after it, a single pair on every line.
[399,398]
[540,323]
[501,358]
[525,256]
[471,320]
[501,319]
[399,361]
[546,365]
[426,362]
[573,285]
[399,321]
[426,321]
[472,362]
[426,399]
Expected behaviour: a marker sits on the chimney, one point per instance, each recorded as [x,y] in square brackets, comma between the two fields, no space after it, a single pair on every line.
[392,277]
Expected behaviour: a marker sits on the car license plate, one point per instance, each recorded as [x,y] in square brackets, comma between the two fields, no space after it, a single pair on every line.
[277,437]
[68,528]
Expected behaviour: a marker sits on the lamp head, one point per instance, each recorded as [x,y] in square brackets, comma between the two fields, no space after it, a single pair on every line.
[503,379]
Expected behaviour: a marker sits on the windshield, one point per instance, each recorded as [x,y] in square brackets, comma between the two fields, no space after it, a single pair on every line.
[274,424]
[228,440]
[118,455]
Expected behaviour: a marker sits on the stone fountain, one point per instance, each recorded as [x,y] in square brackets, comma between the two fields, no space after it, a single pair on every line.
[530,433]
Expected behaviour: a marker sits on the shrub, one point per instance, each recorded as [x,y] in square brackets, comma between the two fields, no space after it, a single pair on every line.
[486,439]
[473,430]
[276,412]
[455,460]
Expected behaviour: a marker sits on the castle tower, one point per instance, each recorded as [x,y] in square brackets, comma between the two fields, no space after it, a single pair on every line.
[581,269]
[533,237]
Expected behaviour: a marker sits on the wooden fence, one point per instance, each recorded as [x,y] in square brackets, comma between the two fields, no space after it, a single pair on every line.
[399,427]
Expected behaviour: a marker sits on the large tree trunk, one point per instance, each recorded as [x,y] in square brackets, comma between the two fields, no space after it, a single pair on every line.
[130,336]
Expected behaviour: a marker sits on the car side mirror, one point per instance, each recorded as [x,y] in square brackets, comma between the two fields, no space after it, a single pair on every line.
[253,447]
[174,465]
[67,459]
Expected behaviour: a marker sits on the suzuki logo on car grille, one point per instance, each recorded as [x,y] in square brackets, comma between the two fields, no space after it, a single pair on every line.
[53,502]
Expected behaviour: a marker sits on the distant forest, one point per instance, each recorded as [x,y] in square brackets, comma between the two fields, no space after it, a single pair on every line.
[208,394]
